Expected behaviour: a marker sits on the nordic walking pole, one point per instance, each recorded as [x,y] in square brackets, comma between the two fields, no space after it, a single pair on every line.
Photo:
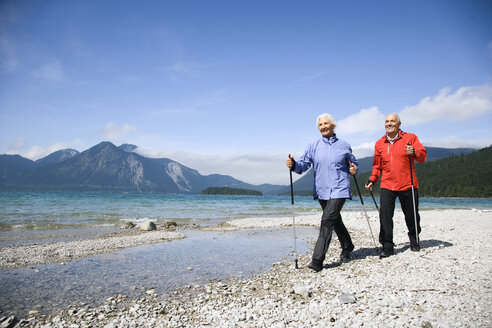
[293,217]
[365,212]
[413,199]
[375,203]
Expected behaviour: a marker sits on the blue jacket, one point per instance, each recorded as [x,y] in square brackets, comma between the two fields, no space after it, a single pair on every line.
[330,157]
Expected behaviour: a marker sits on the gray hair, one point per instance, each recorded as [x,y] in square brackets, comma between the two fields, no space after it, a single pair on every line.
[329,117]
[397,117]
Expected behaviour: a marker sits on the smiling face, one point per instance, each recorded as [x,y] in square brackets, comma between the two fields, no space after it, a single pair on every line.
[326,128]
[392,125]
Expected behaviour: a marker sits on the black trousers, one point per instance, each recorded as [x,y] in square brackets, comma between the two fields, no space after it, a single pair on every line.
[331,220]
[387,200]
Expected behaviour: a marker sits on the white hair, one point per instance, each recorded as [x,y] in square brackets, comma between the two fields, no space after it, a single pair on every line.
[329,117]
[397,117]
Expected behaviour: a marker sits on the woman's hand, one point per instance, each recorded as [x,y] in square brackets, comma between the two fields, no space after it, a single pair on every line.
[353,169]
[289,162]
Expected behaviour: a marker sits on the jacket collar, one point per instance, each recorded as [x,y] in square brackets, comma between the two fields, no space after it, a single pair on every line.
[331,139]
[400,134]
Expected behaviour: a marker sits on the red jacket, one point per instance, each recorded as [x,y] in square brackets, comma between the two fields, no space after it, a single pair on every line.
[391,161]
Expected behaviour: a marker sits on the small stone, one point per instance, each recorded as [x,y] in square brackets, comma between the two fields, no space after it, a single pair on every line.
[148,226]
[33,313]
[347,298]
[170,224]
[426,324]
[301,290]
[128,225]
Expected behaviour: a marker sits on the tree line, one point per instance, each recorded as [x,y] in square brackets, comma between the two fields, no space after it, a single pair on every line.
[230,191]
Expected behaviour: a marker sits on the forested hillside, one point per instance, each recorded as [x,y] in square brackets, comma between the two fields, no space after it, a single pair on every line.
[455,176]
[230,191]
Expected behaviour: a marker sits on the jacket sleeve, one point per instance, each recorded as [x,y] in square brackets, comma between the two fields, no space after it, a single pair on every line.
[376,165]
[305,161]
[352,158]
[420,151]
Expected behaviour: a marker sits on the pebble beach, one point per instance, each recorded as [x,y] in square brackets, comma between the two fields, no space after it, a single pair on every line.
[447,284]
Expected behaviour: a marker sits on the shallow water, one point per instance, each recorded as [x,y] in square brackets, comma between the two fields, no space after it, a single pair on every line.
[165,266]
[56,210]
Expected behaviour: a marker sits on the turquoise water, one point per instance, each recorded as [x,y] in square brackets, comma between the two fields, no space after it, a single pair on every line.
[51,210]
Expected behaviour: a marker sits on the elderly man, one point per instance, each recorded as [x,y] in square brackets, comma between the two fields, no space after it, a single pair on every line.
[333,163]
[391,163]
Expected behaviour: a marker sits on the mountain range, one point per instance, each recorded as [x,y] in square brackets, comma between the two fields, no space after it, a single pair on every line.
[108,168]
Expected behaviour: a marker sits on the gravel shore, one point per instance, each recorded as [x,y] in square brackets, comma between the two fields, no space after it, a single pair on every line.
[447,284]
[23,255]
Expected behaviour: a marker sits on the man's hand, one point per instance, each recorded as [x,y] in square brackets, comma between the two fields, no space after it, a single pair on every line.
[369,185]
[409,149]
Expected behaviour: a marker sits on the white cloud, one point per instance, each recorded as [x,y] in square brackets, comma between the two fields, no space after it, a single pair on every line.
[19,143]
[117,133]
[365,149]
[52,71]
[464,103]
[35,152]
[366,121]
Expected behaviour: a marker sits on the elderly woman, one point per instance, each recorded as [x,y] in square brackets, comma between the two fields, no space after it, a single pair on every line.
[333,163]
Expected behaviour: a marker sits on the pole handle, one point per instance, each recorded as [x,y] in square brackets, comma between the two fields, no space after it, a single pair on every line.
[291,185]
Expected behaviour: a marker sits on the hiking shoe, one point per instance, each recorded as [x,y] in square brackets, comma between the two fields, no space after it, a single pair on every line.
[345,254]
[315,265]
[386,253]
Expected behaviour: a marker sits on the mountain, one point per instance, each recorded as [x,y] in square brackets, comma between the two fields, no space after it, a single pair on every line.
[434,153]
[304,185]
[56,157]
[106,167]
[11,165]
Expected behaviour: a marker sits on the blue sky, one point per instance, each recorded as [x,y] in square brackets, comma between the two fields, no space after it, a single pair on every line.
[232,87]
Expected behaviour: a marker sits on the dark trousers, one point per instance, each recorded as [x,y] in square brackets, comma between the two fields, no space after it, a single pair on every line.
[387,200]
[331,220]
